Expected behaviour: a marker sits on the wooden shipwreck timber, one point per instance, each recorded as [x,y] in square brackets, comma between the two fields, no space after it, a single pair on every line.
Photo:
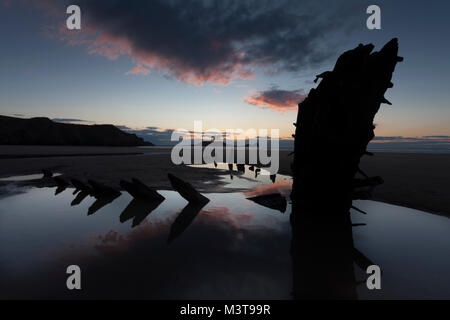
[334,126]
[145,199]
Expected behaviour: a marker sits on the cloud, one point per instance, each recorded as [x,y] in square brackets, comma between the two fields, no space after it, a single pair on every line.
[431,139]
[139,69]
[211,41]
[122,127]
[277,99]
[432,144]
[437,137]
[70,120]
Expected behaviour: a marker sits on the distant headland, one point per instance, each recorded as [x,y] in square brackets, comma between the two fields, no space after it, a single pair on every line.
[43,131]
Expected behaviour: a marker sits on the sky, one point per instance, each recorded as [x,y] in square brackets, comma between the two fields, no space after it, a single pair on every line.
[152,66]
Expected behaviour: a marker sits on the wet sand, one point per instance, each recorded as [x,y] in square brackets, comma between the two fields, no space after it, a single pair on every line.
[18,152]
[419,181]
[415,180]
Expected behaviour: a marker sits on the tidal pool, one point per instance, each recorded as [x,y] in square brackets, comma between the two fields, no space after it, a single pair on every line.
[232,248]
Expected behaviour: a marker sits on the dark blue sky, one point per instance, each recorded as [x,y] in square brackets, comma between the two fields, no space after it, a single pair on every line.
[153,64]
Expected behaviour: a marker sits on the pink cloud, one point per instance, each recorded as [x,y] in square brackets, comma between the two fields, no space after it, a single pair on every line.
[139,69]
[277,99]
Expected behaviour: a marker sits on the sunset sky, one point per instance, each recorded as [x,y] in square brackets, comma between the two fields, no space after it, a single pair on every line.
[231,64]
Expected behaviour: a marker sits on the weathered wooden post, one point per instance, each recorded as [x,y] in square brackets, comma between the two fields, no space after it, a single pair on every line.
[334,125]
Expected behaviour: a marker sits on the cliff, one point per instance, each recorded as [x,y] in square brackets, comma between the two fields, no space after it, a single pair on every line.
[43,131]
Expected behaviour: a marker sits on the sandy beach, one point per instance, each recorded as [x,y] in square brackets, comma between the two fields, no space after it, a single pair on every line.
[415,180]
[419,181]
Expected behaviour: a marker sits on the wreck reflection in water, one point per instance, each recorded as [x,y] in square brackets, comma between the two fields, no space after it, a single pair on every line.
[230,248]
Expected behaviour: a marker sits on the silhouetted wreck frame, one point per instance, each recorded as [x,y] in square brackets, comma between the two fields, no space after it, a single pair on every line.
[334,126]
